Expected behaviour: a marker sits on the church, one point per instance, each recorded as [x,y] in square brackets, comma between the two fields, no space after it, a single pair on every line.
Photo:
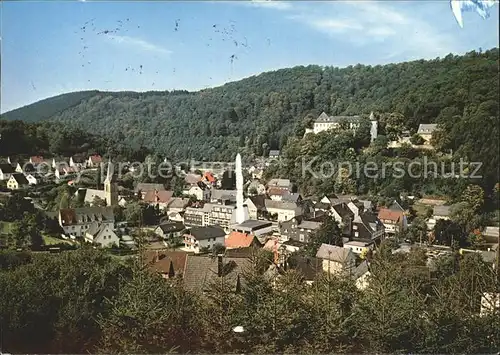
[110,192]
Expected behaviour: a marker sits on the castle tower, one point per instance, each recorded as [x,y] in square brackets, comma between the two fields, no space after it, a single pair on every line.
[110,187]
[374,127]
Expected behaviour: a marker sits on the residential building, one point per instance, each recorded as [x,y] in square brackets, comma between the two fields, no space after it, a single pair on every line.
[439,212]
[101,234]
[362,275]
[425,131]
[298,229]
[94,161]
[282,210]
[199,190]
[308,266]
[196,217]
[237,240]
[170,230]
[367,229]
[31,179]
[142,188]
[168,264]
[17,181]
[36,160]
[198,238]
[254,227]
[223,196]
[276,193]
[77,221]
[280,183]
[358,247]
[177,204]
[77,161]
[160,198]
[336,259]
[274,154]
[6,171]
[491,234]
[393,221]
[342,214]
[202,271]
[209,178]
[256,205]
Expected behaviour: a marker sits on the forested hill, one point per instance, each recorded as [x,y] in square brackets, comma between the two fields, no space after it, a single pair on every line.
[262,111]
[47,108]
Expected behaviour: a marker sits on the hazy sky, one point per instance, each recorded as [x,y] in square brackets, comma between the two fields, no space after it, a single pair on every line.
[46,52]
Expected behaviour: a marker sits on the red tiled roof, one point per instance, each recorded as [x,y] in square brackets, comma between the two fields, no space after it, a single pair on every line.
[386,214]
[158,196]
[209,176]
[159,260]
[36,159]
[238,240]
[68,216]
[96,159]
[277,191]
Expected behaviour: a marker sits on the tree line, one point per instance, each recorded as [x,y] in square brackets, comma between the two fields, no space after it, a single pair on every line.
[85,300]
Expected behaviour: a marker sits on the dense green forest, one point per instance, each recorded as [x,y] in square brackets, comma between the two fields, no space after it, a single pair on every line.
[21,140]
[87,301]
[265,109]
[272,110]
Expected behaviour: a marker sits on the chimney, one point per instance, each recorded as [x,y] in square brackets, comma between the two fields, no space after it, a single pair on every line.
[220,265]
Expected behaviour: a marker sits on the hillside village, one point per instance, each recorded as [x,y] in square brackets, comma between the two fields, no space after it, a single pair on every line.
[197,217]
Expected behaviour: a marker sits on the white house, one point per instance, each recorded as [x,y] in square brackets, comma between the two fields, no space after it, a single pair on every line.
[358,247]
[17,181]
[6,171]
[283,210]
[77,221]
[199,190]
[203,237]
[31,179]
[101,234]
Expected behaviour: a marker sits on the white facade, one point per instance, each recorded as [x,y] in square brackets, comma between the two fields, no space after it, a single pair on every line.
[104,236]
[198,192]
[284,214]
[31,179]
[358,247]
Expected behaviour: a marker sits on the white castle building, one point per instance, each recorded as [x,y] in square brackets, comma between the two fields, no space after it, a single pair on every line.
[325,122]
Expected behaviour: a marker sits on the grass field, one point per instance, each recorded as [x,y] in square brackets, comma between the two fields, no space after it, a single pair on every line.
[48,240]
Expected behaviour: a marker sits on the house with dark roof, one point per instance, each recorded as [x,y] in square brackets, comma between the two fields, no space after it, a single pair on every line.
[17,181]
[201,272]
[256,205]
[198,238]
[223,196]
[274,154]
[310,268]
[77,221]
[342,214]
[6,170]
[254,227]
[170,230]
[299,229]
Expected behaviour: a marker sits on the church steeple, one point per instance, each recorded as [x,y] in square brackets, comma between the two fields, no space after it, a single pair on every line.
[110,187]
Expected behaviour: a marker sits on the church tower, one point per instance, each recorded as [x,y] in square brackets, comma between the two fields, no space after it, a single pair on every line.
[110,187]
[374,127]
